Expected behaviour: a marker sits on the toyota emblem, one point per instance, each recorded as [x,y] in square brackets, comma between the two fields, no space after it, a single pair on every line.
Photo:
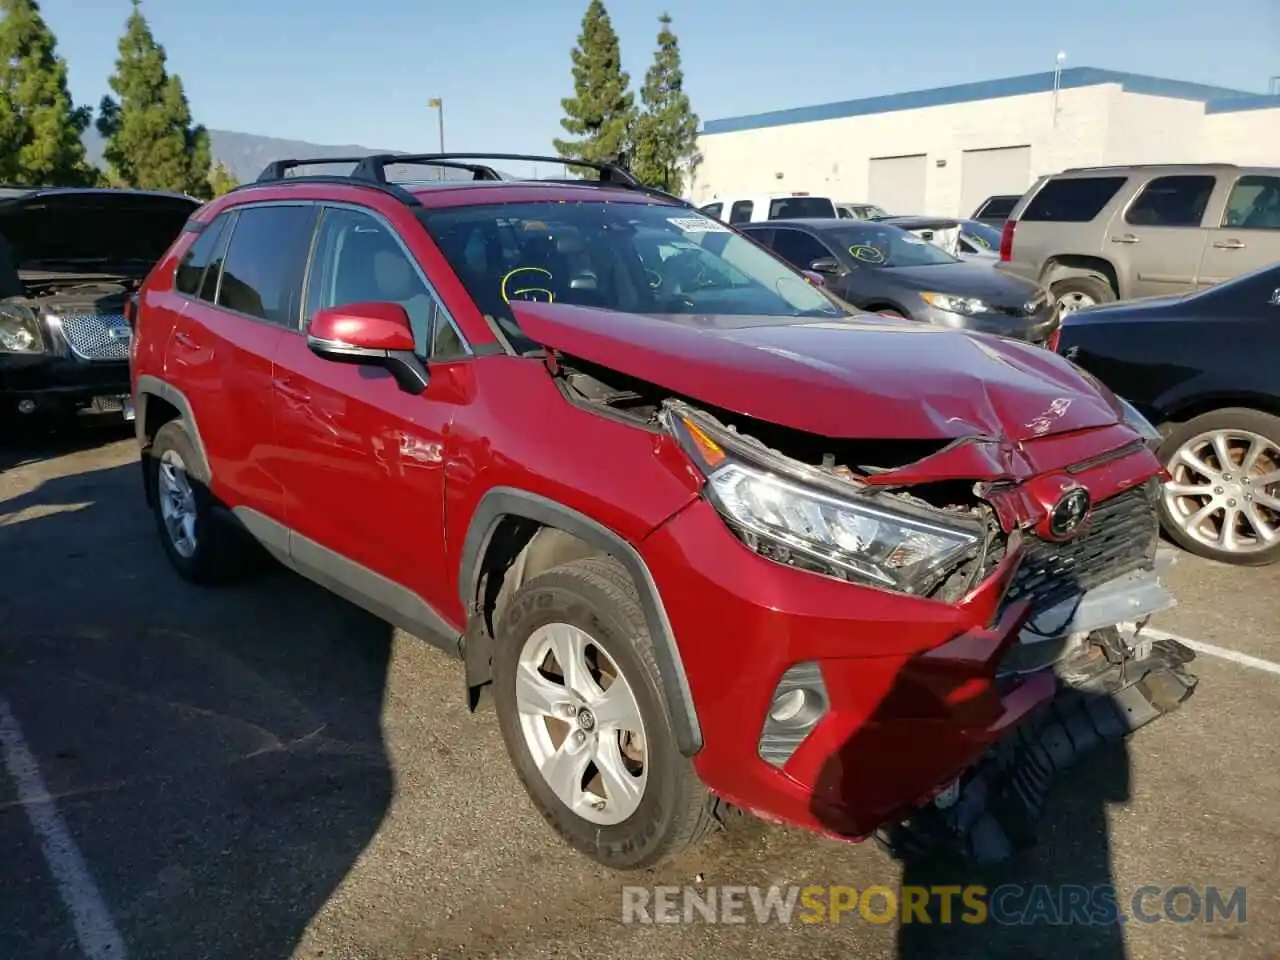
[1069,513]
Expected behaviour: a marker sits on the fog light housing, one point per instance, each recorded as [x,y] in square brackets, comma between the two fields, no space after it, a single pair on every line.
[799,702]
[26,405]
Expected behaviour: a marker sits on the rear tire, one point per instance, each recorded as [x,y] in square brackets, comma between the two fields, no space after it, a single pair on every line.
[623,812]
[1194,489]
[202,548]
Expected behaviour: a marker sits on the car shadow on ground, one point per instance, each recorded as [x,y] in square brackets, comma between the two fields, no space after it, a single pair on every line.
[216,754]
[22,444]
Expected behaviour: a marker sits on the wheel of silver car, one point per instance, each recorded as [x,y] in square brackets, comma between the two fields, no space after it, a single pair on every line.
[200,547]
[1076,293]
[1223,496]
[580,704]
[177,503]
[581,723]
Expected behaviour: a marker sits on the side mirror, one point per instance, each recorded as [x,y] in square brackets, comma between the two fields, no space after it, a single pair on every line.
[827,266]
[371,334]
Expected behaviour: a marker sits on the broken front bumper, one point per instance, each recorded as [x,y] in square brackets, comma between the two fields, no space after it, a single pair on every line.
[1108,688]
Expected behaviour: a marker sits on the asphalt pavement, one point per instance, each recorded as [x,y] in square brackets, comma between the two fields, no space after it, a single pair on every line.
[264,771]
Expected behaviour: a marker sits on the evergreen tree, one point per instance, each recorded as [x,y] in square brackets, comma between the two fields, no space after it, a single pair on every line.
[151,140]
[601,111]
[221,179]
[40,128]
[666,134]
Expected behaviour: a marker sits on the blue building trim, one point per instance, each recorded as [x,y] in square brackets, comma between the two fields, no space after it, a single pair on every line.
[1259,101]
[1223,99]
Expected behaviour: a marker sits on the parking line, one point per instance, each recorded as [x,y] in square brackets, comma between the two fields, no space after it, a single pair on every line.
[95,930]
[1222,653]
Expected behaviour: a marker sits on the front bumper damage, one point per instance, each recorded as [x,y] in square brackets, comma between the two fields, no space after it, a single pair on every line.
[1111,685]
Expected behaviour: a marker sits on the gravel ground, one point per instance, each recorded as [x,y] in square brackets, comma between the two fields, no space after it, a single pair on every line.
[267,772]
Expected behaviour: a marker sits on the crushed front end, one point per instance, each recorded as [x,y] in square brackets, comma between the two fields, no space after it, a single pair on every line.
[906,651]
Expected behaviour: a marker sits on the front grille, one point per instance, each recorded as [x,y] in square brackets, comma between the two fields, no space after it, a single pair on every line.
[90,335]
[1122,536]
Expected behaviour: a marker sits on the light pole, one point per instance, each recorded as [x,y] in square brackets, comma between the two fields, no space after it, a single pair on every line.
[437,104]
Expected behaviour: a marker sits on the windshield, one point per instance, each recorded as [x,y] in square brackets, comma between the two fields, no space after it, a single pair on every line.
[881,245]
[982,235]
[625,257]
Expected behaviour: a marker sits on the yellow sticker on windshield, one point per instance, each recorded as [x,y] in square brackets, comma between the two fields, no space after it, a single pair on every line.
[527,294]
[866,253]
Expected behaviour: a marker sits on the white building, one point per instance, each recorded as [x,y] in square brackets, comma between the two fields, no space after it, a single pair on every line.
[943,151]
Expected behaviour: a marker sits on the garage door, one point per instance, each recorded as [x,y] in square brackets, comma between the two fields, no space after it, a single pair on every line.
[985,173]
[897,184]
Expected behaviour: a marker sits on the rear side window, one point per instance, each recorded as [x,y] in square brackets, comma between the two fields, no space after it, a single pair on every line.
[740,212]
[191,269]
[999,207]
[1073,200]
[792,208]
[262,276]
[1171,202]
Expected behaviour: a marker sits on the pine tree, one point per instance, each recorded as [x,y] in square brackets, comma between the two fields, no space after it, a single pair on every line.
[40,128]
[601,111]
[221,179]
[666,134]
[151,140]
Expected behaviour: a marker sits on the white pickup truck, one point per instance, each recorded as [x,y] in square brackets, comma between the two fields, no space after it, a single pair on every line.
[786,206]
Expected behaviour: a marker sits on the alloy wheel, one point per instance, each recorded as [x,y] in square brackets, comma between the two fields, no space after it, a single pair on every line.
[1073,301]
[177,503]
[581,724]
[1224,490]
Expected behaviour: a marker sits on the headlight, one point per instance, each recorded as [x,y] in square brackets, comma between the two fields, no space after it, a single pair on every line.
[815,520]
[19,329]
[952,303]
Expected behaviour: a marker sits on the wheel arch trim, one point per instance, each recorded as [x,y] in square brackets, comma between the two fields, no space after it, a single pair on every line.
[152,386]
[501,502]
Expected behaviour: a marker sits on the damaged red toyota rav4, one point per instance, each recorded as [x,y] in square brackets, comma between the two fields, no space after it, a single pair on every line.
[710,540]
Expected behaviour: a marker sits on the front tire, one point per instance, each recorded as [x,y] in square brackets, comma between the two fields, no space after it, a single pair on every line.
[578,697]
[1076,293]
[202,548]
[1223,501]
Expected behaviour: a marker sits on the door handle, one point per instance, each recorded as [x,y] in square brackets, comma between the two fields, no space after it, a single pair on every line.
[185,339]
[1231,244]
[1127,238]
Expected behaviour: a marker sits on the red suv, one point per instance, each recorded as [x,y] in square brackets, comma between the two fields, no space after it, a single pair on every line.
[710,539]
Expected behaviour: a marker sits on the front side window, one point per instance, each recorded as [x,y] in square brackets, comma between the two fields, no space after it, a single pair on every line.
[624,257]
[713,209]
[1254,204]
[358,259]
[799,249]
[1171,202]
[262,274]
[740,212]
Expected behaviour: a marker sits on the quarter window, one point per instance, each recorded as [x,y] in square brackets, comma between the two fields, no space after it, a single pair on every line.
[262,276]
[1254,204]
[1072,199]
[1177,201]
[191,270]
[359,260]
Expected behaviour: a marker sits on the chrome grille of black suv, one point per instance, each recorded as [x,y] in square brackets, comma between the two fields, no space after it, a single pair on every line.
[1121,538]
[89,335]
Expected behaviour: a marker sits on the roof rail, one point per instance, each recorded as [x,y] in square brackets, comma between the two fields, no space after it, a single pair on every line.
[370,170]
[391,189]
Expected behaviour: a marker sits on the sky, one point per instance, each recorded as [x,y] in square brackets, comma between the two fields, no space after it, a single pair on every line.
[344,72]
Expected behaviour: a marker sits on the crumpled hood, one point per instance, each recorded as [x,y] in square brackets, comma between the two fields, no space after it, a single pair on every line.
[867,376]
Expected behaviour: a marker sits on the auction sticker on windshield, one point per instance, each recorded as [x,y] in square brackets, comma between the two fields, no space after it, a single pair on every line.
[697,225]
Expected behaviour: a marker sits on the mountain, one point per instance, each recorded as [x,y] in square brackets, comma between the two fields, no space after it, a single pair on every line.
[246,154]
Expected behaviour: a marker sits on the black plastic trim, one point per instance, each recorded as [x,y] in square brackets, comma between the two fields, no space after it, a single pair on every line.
[502,502]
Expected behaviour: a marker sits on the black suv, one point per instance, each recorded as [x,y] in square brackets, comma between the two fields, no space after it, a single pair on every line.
[69,261]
